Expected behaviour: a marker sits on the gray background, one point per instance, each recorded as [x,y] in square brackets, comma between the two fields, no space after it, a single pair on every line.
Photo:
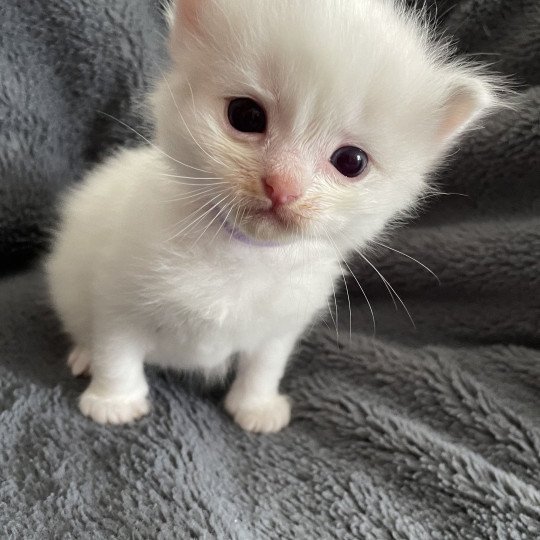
[431,432]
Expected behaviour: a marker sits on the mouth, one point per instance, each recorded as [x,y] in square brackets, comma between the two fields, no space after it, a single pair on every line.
[289,216]
[262,226]
[273,215]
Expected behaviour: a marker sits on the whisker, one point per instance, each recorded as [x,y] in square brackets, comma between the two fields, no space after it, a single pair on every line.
[191,177]
[203,189]
[348,301]
[358,283]
[216,205]
[436,194]
[207,227]
[324,322]
[185,123]
[225,219]
[196,220]
[199,193]
[346,287]
[152,144]
[365,296]
[385,281]
[411,258]
[336,320]
[332,319]
[304,269]
[192,96]
[388,287]
[234,224]
[242,216]
[203,185]
[218,194]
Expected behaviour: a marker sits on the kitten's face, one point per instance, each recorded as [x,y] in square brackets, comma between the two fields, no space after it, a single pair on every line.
[313,126]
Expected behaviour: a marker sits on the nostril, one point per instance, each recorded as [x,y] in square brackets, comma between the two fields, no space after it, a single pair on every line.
[291,198]
[279,190]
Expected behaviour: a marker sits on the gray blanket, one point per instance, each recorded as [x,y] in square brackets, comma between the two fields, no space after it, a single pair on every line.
[430,432]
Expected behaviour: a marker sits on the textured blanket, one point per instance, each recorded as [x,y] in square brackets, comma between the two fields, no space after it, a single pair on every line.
[398,432]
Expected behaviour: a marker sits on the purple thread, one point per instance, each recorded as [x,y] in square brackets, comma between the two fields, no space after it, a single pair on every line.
[241,237]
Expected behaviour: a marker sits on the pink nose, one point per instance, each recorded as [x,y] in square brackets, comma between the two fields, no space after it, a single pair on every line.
[281,190]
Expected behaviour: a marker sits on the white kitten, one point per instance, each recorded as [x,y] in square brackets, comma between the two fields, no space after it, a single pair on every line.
[287,134]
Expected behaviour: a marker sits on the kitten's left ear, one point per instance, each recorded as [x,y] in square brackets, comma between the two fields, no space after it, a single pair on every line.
[469,98]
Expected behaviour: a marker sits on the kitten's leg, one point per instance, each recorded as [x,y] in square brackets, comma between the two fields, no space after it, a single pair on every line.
[254,400]
[118,390]
[79,361]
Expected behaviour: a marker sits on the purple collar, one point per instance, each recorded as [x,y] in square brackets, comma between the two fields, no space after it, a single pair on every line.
[237,234]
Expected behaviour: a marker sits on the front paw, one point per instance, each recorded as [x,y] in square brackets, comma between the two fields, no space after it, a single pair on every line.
[113,409]
[265,416]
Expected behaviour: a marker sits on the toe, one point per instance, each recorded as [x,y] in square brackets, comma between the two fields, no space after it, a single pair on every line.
[113,409]
[268,416]
[79,361]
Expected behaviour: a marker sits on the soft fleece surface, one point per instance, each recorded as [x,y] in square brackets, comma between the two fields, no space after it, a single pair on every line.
[399,434]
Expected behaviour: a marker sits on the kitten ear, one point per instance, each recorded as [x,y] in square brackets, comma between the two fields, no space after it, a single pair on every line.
[188,13]
[184,16]
[469,98]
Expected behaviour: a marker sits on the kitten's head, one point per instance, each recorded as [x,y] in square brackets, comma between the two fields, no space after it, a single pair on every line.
[317,118]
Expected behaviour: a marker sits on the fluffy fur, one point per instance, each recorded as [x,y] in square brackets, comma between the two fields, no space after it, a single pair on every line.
[147,263]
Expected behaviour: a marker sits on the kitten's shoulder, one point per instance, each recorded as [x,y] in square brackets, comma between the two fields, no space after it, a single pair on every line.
[129,162]
[106,188]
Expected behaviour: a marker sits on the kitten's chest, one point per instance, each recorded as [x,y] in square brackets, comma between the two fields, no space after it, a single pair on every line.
[245,299]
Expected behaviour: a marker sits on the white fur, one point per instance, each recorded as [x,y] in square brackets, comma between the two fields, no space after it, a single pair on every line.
[142,270]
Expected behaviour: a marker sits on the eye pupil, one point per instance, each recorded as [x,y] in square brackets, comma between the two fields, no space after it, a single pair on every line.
[350,161]
[247,116]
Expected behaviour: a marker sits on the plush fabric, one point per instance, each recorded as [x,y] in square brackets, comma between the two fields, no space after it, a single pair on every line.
[430,432]
[64,66]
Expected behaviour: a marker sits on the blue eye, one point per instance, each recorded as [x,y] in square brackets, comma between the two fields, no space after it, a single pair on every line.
[350,161]
[247,116]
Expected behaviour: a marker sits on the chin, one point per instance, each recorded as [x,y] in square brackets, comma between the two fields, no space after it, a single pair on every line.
[281,225]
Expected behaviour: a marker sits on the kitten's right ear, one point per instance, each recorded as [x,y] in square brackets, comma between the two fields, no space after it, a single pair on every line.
[183,17]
